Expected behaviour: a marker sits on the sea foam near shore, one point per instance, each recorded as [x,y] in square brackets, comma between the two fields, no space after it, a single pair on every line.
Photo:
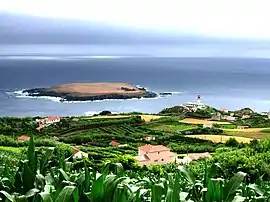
[25,95]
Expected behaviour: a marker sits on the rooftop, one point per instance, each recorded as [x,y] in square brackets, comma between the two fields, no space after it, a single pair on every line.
[23,138]
[153,148]
[50,118]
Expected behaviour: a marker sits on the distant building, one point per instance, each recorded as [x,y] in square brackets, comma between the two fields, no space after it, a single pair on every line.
[47,121]
[229,118]
[193,106]
[216,117]
[208,125]
[23,138]
[224,110]
[52,119]
[149,138]
[40,126]
[194,157]
[155,154]
[242,127]
[79,154]
[114,143]
[268,115]
[245,116]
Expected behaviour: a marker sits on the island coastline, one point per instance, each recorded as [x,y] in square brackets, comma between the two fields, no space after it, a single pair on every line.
[92,91]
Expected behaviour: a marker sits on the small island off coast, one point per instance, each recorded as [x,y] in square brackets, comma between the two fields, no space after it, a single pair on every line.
[92,91]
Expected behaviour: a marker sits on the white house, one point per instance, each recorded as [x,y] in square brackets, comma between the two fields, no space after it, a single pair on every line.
[193,157]
[208,125]
[50,120]
[155,154]
[194,105]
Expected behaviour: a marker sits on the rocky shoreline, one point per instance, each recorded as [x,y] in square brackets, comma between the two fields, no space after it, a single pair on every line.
[92,92]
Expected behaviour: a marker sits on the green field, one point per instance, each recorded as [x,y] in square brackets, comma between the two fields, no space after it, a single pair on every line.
[170,127]
[111,172]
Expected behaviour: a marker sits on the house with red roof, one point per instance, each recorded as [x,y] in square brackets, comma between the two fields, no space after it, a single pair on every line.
[23,138]
[155,154]
[114,143]
[52,119]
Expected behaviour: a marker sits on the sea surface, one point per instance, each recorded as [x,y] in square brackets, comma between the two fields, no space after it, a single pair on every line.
[230,83]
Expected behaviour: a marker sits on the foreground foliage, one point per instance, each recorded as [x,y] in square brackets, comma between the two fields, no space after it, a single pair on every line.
[36,181]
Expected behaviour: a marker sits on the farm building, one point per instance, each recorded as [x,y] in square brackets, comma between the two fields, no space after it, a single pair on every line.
[155,154]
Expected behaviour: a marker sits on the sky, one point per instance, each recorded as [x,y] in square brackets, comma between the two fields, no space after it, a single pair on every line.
[246,19]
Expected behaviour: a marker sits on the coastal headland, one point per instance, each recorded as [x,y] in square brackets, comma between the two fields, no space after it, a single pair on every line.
[92,91]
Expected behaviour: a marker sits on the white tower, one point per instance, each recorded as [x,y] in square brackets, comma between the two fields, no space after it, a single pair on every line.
[199,100]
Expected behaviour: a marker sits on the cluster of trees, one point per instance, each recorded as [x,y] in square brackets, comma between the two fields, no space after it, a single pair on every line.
[253,158]
[255,121]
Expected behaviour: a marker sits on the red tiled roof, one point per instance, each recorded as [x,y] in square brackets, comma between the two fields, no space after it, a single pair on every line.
[75,150]
[23,138]
[114,143]
[50,118]
[153,148]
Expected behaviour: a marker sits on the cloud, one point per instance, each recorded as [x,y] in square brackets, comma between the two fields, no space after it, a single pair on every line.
[220,18]
[24,29]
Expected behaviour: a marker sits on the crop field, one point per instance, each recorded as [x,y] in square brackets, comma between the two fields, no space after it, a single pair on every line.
[166,127]
[254,133]
[200,121]
[248,130]
[145,117]
[220,138]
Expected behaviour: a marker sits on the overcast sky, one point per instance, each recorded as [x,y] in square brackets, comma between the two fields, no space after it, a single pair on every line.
[218,18]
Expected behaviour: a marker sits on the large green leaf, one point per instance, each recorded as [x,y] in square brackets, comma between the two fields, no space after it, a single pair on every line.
[214,190]
[64,175]
[45,197]
[231,186]
[119,169]
[238,199]
[97,190]
[45,160]
[31,155]
[67,194]
[173,192]
[110,184]
[31,193]
[257,189]
[28,177]
[21,199]
[187,174]
[8,196]
[86,182]
[120,194]
[156,192]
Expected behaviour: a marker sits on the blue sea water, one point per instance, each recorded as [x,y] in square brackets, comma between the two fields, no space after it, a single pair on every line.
[222,82]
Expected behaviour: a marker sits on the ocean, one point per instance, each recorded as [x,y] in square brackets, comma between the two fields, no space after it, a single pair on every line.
[230,83]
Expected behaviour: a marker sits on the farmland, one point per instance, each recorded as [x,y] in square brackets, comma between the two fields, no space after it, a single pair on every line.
[106,163]
[145,117]
[201,121]
[220,138]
